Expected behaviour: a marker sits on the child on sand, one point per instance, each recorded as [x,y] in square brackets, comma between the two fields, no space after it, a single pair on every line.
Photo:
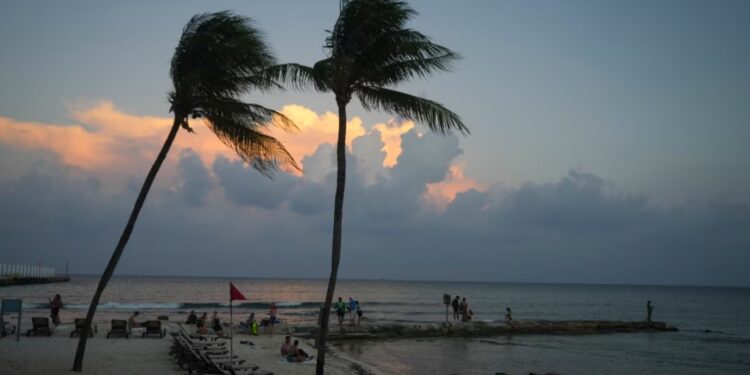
[286,346]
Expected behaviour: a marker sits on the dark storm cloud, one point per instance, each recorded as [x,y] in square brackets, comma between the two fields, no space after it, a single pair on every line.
[244,186]
[580,228]
[195,178]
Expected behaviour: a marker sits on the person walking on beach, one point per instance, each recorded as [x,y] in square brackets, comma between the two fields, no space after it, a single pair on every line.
[455,304]
[649,311]
[509,318]
[55,304]
[272,321]
[340,311]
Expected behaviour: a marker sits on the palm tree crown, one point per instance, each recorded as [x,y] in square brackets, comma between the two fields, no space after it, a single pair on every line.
[370,50]
[219,57]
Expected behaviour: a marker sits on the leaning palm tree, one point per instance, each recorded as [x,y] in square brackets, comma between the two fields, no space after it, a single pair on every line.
[369,52]
[219,57]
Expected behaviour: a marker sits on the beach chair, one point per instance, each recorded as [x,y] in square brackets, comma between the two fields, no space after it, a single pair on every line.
[119,327]
[40,327]
[153,328]
[80,324]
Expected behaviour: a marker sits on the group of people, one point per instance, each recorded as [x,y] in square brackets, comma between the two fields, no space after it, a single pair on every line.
[461,310]
[202,323]
[353,308]
[292,352]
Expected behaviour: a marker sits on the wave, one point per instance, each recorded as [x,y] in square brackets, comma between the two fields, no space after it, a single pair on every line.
[208,305]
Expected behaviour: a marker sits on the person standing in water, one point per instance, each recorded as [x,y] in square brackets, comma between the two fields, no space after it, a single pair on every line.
[509,318]
[352,310]
[649,311]
[340,307]
[55,304]
[455,304]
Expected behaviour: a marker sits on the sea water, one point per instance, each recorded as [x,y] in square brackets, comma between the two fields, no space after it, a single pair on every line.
[714,322]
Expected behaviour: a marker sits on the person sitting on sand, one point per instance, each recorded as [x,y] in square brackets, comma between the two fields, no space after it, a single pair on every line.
[192,318]
[340,312]
[132,322]
[286,346]
[509,318]
[296,354]
[216,324]
[201,327]
[251,324]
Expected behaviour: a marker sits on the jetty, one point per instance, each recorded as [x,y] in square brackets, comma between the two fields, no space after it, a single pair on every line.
[482,329]
[16,274]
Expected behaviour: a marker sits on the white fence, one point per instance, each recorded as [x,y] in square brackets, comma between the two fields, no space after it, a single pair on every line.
[18,270]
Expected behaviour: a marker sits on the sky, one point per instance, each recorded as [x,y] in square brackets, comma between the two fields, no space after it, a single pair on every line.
[608,145]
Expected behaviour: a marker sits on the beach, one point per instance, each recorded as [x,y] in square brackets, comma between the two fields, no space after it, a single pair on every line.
[137,355]
[713,323]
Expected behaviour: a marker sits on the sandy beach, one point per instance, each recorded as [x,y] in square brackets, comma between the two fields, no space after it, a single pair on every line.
[136,355]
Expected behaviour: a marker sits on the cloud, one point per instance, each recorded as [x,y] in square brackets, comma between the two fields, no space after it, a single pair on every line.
[195,179]
[578,228]
[314,130]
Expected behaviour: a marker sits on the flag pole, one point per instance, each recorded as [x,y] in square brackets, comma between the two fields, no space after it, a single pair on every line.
[231,332]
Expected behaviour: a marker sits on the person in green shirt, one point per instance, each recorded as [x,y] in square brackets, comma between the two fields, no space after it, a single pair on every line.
[340,307]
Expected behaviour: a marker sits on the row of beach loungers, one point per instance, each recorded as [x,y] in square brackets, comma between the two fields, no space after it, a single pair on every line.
[208,355]
[152,328]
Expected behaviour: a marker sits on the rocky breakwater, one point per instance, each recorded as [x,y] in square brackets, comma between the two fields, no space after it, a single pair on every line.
[479,329]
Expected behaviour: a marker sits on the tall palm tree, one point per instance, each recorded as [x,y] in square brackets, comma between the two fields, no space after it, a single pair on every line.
[369,51]
[219,57]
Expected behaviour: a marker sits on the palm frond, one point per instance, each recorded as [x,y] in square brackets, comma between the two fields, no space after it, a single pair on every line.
[253,115]
[295,75]
[218,54]
[360,21]
[261,151]
[438,118]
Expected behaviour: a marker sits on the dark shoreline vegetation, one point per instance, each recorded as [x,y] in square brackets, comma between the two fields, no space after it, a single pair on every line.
[13,281]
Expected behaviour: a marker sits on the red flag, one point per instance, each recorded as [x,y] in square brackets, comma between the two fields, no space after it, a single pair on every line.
[234,293]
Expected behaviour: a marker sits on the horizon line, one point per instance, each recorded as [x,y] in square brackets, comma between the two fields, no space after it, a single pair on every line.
[424,280]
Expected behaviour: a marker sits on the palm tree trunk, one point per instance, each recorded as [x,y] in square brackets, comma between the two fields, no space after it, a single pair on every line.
[338,212]
[78,363]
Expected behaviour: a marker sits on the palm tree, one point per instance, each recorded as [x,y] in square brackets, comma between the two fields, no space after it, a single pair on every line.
[370,51]
[219,57]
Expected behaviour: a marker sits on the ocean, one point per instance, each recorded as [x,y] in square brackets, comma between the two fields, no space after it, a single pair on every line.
[714,322]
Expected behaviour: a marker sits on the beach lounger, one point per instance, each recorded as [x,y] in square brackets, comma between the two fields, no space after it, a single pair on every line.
[40,327]
[209,361]
[119,327]
[80,324]
[153,328]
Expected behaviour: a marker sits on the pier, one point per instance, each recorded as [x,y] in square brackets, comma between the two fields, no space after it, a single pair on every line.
[16,274]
